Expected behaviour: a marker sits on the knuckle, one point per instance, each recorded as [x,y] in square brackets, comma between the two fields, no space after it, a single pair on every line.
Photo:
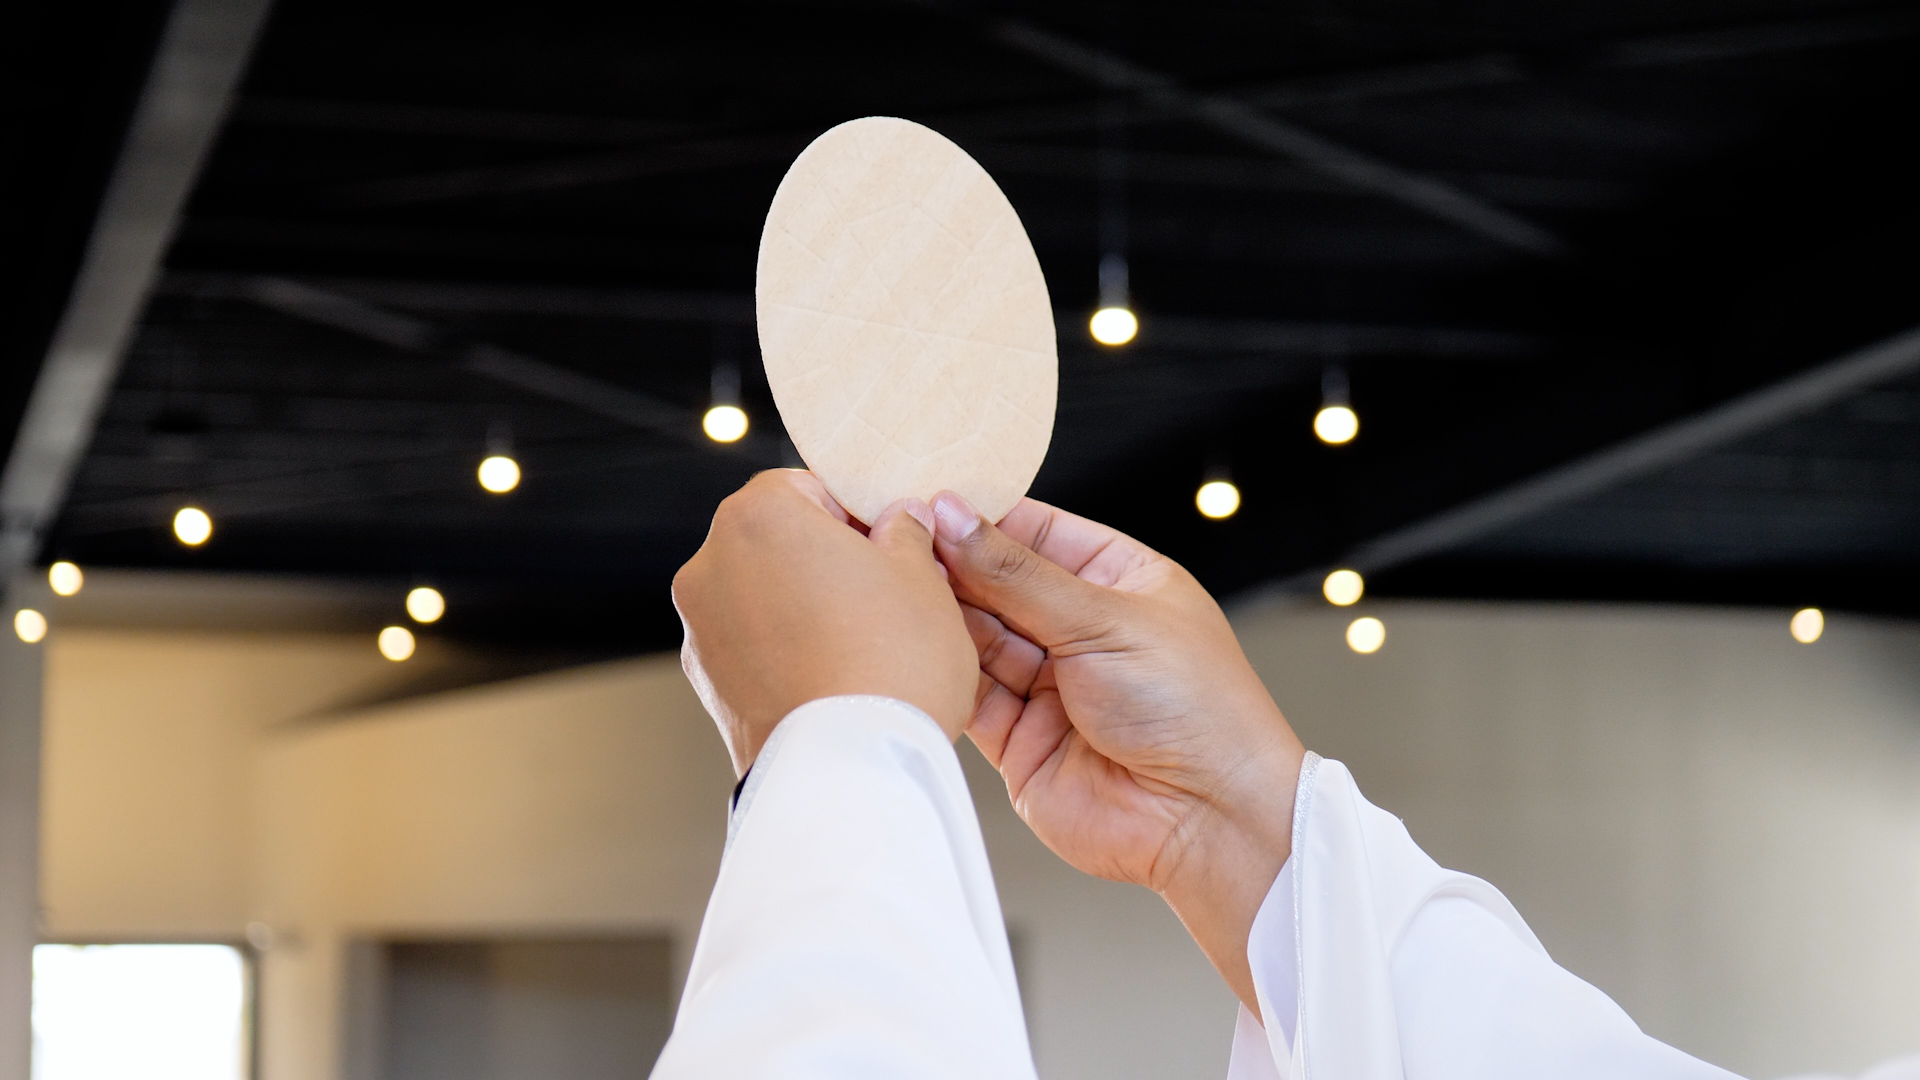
[741,503]
[994,648]
[725,516]
[686,581]
[1096,623]
[771,481]
[744,514]
[779,487]
[1009,563]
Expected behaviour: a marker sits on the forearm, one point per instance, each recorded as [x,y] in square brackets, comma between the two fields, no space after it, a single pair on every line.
[854,929]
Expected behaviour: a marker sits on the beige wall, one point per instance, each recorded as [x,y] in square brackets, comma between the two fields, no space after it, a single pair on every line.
[595,798]
[590,799]
[1717,825]
[1113,985]
[147,806]
[197,783]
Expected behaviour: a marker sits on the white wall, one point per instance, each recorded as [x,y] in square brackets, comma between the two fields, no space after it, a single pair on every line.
[1717,825]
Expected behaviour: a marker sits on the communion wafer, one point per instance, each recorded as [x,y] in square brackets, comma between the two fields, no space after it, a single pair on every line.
[904,322]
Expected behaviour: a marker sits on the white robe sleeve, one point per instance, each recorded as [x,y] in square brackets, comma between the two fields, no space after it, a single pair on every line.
[1372,962]
[854,930]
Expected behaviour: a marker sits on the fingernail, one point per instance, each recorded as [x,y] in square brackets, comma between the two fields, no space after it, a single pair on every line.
[920,512]
[957,520]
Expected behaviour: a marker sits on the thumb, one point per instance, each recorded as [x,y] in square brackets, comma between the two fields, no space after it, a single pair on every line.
[904,528]
[1040,599]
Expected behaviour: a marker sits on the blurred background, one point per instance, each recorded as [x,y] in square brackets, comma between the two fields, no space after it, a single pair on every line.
[1538,384]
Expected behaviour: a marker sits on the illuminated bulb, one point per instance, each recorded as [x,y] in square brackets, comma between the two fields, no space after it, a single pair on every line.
[1336,424]
[499,474]
[1113,326]
[30,625]
[725,423]
[426,604]
[65,578]
[192,526]
[1366,634]
[396,643]
[1217,499]
[1807,625]
[1343,587]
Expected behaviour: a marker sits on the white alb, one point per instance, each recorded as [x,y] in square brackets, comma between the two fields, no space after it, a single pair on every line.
[854,933]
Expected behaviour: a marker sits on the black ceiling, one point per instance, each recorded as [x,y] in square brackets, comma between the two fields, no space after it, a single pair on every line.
[70,75]
[581,186]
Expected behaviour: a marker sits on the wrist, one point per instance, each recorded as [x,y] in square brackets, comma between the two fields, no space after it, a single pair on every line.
[746,739]
[1230,854]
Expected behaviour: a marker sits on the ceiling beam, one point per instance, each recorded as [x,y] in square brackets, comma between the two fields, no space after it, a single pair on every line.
[1679,49]
[1281,236]
[189,88]
[437,121]
[476,298]
[1176,333]
[1400,80]
[1639,456]
[1419,78]
[1001,122]
[1238,173]
[416,483]
[1723,43]
[633,162]
[1232,116]
[366,306]
[411,334]
[1249,124]
[569,172]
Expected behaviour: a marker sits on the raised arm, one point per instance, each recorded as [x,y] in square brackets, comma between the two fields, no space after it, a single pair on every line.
[1139,744]
[854,931]
[1133,735]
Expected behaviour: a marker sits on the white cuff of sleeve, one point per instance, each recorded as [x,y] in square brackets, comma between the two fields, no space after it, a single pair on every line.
[1261,1043]
[872,704]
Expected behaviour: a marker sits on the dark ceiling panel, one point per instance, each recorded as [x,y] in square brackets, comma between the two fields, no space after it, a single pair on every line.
[1724,175]
[69,81]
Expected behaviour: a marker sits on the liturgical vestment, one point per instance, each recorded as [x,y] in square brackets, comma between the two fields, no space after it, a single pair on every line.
[854,934]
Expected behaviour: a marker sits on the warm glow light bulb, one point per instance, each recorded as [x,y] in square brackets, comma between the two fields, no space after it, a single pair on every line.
[1336,424]
[192,526]
[1343,587]
[1807,625]
[65,578]
[1113,326]
[396,643]
[499,474]
[30,625]
[1366,634]
[1217,499]
[725,423]
[425,604]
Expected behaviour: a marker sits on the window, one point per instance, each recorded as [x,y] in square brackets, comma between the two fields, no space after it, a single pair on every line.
[159,1012]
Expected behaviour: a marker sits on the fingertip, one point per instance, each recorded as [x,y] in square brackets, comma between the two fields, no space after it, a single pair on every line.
[918,510]
[915,509]
[810,486]
[956,519]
